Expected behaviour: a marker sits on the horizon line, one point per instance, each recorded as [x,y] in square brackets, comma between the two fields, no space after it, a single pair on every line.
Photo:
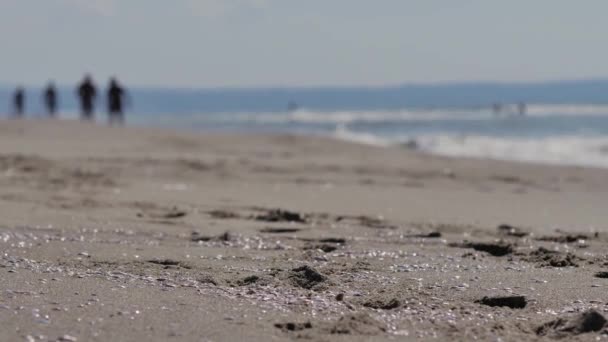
[10,85]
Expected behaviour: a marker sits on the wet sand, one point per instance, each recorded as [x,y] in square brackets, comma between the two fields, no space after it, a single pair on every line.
[131,234]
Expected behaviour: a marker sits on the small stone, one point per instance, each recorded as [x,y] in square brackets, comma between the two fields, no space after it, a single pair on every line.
[291,326]
[512,231]
[513,302]
[588,321]
[495,249]
[602,274]
[306,277]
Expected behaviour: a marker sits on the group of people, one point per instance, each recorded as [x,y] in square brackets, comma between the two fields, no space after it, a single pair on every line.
[86,93]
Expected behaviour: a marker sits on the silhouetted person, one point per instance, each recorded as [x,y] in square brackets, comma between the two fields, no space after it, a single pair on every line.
[496,108]
[87,93]
[19,102]
[116,101]
[292,106]
[49,97]
[521,108]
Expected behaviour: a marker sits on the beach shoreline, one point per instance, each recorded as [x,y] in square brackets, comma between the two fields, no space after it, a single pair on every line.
[132,233]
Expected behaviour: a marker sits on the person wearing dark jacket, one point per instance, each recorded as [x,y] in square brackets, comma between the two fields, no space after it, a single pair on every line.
[49,97]
[87,93]
[19,102]
[116,102]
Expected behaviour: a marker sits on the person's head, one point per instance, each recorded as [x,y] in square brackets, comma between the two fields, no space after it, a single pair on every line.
[88,78]
[113,82]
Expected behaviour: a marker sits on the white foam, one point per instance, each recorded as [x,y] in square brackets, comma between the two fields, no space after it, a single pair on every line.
[562,150]
[557,110]
[576,149]
[565,150]
[349,117]
[304,116]
[342,132]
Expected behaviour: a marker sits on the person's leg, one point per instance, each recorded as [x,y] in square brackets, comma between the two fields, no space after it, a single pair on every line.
[120,117]
[88,113]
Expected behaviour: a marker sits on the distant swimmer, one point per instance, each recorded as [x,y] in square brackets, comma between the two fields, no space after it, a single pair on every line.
[87,93]
[19,102]
[116,101]
[497,108]
[49,98]
[292,106]
[521,108]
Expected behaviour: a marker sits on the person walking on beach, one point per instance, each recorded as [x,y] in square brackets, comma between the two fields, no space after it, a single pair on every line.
[49,98]
[116,101]
[87,93]
[19,102]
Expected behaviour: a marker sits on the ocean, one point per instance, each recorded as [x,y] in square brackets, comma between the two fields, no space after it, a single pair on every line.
[564,123]
[558,134]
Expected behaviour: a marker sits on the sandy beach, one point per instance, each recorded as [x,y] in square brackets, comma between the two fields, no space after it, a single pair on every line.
[141,234]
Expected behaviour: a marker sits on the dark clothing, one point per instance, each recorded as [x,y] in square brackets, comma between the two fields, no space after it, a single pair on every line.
[521,108]
[50,100]
[116,99]
[87,94]
[19,102]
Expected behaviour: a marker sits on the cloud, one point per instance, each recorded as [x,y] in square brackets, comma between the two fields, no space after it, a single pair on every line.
[216,8]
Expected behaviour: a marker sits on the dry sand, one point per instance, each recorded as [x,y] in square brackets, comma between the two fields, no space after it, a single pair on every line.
[133,234]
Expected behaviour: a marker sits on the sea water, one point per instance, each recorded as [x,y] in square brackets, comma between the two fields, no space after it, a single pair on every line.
[559,134]
[451,120]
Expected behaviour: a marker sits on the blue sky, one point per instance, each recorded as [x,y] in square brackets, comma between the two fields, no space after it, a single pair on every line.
[246,43]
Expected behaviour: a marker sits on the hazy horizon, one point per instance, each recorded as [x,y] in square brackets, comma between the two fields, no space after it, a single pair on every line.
[101,83]
[276,44]
[445,95]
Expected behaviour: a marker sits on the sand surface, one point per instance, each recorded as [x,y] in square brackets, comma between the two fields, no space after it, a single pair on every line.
[134,234]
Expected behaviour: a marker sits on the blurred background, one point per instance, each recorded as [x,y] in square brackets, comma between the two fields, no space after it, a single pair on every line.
[510,80]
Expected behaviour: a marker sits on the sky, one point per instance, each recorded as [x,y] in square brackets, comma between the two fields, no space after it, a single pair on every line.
[284,43]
